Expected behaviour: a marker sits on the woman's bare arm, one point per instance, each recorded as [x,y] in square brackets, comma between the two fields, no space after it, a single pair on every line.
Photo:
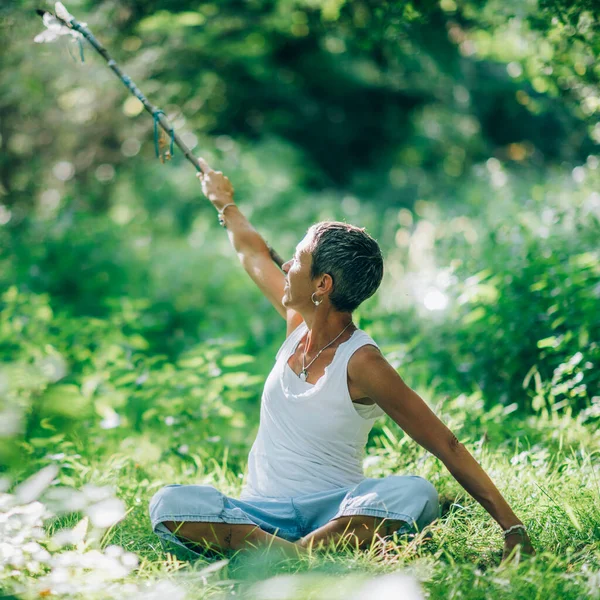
[370,372]
[251,248]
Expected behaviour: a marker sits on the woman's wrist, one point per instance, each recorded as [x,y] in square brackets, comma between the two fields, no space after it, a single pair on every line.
[221,212]
[517,529]
[220,202]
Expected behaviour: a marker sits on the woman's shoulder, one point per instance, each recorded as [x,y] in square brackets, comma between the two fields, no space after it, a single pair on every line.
[367,358]
[360,348]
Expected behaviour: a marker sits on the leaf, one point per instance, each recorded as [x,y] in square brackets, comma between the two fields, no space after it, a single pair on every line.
[529,376]
[585,260]
[549,342]
[195,361]
[213,568]
[538,286]
[138,342]
[233,380]
[235,360]
[160,20]
[474,315]
[190,19]
[65,400]
[573,517]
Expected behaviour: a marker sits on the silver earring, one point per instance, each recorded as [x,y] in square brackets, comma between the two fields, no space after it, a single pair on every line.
[316,302]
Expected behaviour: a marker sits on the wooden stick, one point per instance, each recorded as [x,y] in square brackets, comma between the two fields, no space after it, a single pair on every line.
[156,113]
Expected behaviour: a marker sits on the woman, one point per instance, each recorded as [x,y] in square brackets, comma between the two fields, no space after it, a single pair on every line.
[305,485]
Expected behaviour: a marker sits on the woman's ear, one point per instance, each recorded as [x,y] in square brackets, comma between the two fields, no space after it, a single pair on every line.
[325,284]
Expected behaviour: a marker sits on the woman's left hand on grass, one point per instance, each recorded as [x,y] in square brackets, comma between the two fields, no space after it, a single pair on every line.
[514,539]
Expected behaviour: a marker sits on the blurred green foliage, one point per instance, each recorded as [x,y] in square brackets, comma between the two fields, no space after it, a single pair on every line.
[464,135]
[380,99]
[521,279]
[65,376]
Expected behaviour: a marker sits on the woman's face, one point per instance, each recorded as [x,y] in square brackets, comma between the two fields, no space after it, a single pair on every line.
[298,286]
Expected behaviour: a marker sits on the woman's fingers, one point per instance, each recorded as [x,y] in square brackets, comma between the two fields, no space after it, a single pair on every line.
[207,173]
[215,185]
[204,165]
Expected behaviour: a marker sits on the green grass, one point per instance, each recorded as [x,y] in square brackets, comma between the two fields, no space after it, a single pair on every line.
[546,467]
[507,371]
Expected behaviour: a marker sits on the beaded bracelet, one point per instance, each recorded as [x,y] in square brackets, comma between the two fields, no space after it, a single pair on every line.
[221,218]
[514,528]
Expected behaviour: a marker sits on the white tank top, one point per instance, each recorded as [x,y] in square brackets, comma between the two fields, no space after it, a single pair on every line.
[310,438]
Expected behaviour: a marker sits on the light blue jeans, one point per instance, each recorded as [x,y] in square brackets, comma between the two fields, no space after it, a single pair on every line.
[407,498]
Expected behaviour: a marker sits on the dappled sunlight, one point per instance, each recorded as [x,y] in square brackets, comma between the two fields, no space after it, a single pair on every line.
[463,136]
[435,300]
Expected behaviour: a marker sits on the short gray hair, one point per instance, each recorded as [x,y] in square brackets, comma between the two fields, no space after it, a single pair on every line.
[351,257]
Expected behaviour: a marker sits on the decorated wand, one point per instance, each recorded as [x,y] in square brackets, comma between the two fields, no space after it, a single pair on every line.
[64,23]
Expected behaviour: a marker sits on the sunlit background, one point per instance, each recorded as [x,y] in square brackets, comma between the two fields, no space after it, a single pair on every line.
[463,135]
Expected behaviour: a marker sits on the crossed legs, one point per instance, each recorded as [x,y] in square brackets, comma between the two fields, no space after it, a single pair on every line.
[225,537]
[358,529]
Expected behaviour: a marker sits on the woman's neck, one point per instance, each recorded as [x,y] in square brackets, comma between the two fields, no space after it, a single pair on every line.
[324,325]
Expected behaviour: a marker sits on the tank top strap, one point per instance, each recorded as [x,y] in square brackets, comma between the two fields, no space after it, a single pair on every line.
[346,350]
[291,341]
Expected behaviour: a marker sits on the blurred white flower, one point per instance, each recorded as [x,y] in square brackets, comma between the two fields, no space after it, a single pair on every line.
[7,551]
[64,499]
[106,513]
[158,591]
[37,552]
[370,461]
[95,493]
[32,488]
[280,587]
[11,421]
[24,517]
[54,367]
[130,560]
[81,572]
[31,547]
[16,559]
[55,29]
[58,456]
[65,537]
[390,587]
[111,420]
[113,551]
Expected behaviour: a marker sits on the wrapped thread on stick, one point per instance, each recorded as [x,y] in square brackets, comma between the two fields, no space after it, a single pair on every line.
[160,140]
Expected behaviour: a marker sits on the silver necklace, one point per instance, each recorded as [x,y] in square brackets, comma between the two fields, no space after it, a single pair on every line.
[304,373]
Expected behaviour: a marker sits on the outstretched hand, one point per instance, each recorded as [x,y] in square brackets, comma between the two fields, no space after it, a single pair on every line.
[517,538]
[215,186]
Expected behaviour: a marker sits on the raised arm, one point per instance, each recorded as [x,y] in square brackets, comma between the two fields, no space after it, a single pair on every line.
[377,379]
[251,248]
